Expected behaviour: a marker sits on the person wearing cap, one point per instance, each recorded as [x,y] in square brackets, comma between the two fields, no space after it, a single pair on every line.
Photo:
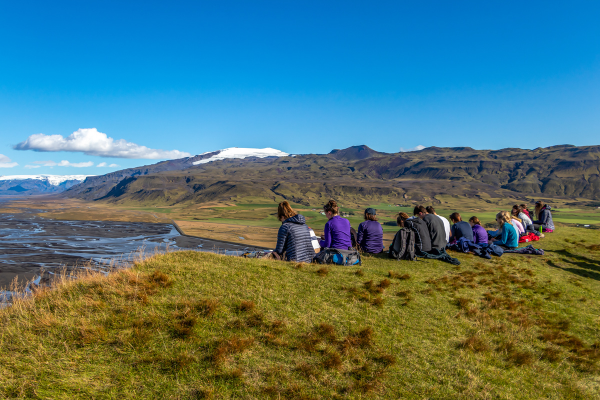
[370,233]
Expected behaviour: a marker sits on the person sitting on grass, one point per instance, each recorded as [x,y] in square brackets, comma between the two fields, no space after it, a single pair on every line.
[431,210]
[435,226]
[508,237]
[370,233]
[480,235]
[525,210]
[516,223]
[337,229]
[417,225]
[544,217]
[294,237]
[460,228]
[518,212]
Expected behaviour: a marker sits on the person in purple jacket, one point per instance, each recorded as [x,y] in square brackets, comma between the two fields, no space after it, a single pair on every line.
[370,233]
[337,229]
[480,235]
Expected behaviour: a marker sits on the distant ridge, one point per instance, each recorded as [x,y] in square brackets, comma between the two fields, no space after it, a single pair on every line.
[38,184]
[358,173]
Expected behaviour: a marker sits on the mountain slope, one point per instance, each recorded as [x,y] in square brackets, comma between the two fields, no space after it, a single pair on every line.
[559,171]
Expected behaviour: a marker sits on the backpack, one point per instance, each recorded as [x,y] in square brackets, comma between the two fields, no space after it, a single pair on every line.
[338,256]
[354,237]
[403,246]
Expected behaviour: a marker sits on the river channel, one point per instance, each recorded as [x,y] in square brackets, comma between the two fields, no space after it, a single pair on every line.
[32,247]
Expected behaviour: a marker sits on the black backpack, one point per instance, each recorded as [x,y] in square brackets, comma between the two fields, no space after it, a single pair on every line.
[403,246]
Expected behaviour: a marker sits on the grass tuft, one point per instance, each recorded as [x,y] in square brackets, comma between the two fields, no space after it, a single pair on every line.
[231,346]
[332,360]
[463,302]
[386,359]
[377,301]
[161,279]
[551,354]
[323,271]
[384,284]
[360,339]
[247,305]
[207,307]
[473,343]
[183,324]
[520,358]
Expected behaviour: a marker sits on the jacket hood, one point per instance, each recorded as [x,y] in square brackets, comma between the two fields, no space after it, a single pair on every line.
[296,219]
[547,207]
[416,221]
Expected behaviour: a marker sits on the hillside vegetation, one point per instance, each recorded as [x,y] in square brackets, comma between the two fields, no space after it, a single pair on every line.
[190,325]
[360,175]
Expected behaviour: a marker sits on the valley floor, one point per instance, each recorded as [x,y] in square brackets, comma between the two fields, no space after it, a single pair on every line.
[255,224]
[187,325]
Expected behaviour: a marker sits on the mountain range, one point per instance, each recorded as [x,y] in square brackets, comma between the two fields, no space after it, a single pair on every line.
[358,174]
[23,185]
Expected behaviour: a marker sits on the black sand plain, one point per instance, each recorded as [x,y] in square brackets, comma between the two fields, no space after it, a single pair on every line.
[32,246]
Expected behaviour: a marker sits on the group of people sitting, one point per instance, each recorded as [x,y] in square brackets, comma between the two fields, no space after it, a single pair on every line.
[296,241]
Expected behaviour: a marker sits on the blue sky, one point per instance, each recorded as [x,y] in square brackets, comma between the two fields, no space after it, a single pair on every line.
[302,77]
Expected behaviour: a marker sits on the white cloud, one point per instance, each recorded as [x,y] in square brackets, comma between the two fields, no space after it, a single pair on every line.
[63,163]
[6,162]
[416,148]
[94,143]
[103,164]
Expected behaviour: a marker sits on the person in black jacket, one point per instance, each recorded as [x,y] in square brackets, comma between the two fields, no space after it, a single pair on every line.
[422,239]
[435,226]
[460,228]
[294,238]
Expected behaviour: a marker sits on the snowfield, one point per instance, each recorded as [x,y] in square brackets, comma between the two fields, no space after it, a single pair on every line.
[54,180]
[238,152]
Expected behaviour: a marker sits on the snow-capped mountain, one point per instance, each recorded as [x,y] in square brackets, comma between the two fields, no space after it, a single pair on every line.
[113,182]
[38,184]
[238,152]
[54,180]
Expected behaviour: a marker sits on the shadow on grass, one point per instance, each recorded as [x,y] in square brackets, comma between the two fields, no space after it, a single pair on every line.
[577,259]
[577,271]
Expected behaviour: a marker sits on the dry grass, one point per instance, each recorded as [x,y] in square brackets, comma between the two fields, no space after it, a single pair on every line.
[230,346]
[474,343]
[247,305]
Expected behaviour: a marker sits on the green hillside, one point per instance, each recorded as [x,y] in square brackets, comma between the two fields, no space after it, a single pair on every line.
[189,325]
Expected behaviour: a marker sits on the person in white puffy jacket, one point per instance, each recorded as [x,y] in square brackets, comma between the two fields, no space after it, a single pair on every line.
[517,211]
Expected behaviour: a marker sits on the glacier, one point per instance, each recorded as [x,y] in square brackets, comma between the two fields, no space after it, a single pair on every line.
[240,152]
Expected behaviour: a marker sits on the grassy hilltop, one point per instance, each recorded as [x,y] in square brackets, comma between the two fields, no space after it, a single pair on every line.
[188,325]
